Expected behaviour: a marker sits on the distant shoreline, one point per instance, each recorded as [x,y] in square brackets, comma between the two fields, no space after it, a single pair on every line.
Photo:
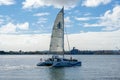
[72,52]
[60,54]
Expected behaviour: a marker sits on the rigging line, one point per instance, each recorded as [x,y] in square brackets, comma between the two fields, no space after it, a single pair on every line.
[67,39]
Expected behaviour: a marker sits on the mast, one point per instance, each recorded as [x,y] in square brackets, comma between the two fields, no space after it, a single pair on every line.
[57,37]
[63,27]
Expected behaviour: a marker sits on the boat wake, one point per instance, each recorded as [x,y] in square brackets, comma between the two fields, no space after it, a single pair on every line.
[16,67]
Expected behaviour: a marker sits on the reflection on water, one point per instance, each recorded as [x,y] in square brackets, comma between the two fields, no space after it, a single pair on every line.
[56,73]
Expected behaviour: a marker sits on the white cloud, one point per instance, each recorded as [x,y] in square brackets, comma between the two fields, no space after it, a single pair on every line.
[7,2]
[11,28]
[86,18]
[8,28]
[96,40]
[82,41]
[94,3]
[24,42]
[56,3]
[68,22]
[5,19]
[109,21]
[41,14]
[91,25]
[42,20]
[24,26]
[1,21]
[82,18]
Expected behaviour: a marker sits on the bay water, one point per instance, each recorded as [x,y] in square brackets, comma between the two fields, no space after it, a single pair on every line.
[94,67]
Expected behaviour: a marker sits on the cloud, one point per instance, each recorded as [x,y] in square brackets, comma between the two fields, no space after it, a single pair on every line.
[1,21]
[95,3]
[42,20]
[7,2]
[41,25]
[68,22]
[29,4]
[8,28]
[91,25]
[41,14]
[12,28]
[96,40]
[5,19]
[109,21]
[86,18]
[23,26]
[24,42]
[82,41]
[82,18]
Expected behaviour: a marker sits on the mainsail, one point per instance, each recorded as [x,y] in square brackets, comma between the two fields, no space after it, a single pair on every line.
[57,37]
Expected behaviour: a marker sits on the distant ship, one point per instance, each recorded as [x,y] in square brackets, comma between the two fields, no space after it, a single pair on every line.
[57,46]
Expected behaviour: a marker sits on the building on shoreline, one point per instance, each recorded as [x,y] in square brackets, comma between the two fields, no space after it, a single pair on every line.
[74,51]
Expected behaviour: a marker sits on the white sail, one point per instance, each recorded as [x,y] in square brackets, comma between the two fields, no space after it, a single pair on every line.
[57,37]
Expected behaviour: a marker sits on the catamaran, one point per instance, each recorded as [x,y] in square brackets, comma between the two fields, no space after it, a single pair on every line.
[57,46]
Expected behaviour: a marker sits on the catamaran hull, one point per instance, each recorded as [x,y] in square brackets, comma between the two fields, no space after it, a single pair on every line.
[66,64]
[44,64]
[59,64]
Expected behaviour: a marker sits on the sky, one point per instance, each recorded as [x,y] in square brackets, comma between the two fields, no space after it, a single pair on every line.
[90,24]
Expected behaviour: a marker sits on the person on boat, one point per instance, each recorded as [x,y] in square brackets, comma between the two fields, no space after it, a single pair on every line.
[40,59]
[71,58]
